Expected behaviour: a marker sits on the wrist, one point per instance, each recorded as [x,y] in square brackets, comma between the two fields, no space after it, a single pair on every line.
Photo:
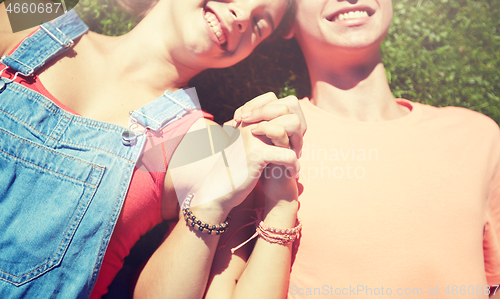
[201,225]
[281,214]
[211,212]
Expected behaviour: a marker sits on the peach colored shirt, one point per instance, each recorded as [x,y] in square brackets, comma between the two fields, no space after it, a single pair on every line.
[408,207]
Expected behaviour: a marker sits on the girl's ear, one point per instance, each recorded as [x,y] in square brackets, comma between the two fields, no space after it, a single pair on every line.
[288,34]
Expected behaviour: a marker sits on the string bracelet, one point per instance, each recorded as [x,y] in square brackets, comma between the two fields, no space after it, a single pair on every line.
[198,225]
[270,234]
[281,236]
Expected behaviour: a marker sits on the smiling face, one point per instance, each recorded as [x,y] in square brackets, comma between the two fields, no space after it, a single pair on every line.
[217,34]
[341,24]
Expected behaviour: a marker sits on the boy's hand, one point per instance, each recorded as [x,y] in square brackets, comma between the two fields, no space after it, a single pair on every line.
[270,129]
[272,113]
[279,122]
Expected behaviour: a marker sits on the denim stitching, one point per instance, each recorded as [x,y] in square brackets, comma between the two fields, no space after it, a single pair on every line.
[19,62]
[105,236]
[64,142]
[48,262]
[76,118]
[49,150]
[55,173]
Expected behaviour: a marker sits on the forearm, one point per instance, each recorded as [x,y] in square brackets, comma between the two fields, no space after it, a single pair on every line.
[181,265]
[269,264]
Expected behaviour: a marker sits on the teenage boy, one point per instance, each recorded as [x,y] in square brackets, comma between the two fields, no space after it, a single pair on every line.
[397,198]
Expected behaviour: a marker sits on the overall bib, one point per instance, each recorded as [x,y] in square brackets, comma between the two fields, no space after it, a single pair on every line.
[63,177]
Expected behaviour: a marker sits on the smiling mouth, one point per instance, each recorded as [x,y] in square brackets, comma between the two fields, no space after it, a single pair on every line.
[216,27]
[351,15]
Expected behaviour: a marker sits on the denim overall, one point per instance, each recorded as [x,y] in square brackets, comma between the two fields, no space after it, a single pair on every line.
[63,177]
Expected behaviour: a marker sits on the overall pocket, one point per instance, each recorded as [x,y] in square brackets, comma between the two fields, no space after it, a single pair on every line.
[43,197]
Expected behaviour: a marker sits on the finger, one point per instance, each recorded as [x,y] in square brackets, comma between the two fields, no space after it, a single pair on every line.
[282,156]
[275,109]
[255,103]
[230,124]
[293,127]
[268,112]
[276,133]
[237,115]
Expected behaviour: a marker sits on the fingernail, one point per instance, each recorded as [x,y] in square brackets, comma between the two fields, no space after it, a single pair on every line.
[237,116]
[246,114]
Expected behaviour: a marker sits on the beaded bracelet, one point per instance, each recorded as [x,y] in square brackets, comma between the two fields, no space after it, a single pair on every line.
[281,236]
[196,224]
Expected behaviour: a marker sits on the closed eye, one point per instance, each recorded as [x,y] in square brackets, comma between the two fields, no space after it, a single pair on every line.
[256,23]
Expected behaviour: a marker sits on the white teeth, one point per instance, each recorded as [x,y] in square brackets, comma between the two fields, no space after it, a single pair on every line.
[351,15]
[215,26]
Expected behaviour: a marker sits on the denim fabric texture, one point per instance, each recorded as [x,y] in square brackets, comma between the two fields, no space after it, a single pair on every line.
[63,177]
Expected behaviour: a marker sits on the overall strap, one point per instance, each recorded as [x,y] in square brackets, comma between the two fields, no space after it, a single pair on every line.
[51,39]
[167,108]
[161,112]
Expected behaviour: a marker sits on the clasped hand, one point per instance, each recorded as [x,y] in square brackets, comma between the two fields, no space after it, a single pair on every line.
[266,146]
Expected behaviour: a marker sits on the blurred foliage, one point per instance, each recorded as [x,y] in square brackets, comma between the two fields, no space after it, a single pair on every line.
[439,52]
[105,17]
[446,53]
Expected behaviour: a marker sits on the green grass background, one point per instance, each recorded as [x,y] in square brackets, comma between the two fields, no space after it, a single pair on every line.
[439,52]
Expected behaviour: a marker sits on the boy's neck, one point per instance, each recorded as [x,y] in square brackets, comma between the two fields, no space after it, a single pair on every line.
[353,88]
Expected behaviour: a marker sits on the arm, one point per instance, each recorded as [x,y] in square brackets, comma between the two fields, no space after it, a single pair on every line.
[4,20]
[9,40]
[180,267]
[269,264]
